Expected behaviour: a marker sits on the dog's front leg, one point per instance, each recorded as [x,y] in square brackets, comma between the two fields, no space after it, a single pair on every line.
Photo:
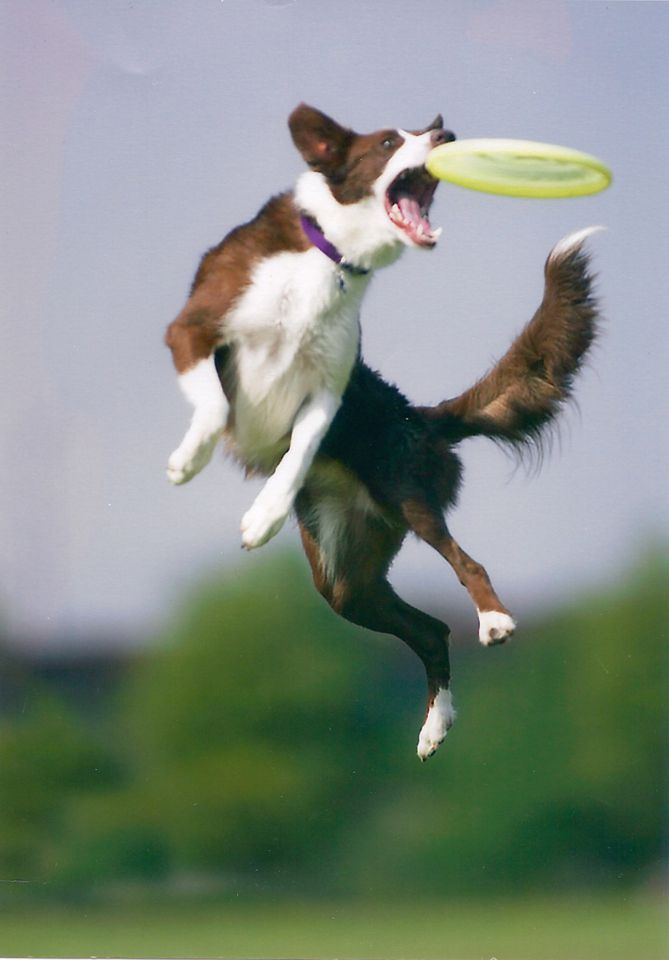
[274,502]
[202,388]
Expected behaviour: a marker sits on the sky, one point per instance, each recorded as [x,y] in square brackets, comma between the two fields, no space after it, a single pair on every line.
[136,134]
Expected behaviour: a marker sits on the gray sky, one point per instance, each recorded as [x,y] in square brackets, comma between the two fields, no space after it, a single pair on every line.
[135,134]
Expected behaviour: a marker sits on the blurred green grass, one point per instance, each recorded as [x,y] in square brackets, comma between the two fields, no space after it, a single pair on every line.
[586,928]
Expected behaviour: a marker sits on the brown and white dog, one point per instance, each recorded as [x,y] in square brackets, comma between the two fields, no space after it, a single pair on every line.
[267,350]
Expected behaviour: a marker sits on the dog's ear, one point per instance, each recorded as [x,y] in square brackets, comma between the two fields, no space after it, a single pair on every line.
[437,124]
[323,143]
[437,133]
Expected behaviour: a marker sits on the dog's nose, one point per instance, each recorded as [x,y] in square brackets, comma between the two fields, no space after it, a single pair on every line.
[441,136]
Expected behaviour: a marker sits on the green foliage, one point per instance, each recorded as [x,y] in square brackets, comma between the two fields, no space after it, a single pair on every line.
[267,740]
[245,727]
[46,760]
[555,772]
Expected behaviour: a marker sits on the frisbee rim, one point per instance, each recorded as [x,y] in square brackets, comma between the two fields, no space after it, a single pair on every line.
[506,147]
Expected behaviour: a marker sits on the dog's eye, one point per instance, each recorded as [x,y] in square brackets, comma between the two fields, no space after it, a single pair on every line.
[388,143]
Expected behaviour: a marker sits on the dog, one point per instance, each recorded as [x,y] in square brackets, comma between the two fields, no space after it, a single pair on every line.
[267,350]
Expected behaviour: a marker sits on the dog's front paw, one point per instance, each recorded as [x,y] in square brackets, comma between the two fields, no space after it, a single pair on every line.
[495,627]
[438,722]
[184,463]
[261,522]
[177,473]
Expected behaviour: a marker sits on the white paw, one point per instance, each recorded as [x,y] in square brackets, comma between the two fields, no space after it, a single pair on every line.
[262,522]
[185,463]
[438,722]
[495,627]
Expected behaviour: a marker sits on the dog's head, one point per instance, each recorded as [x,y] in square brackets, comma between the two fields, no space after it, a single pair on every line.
[383,170]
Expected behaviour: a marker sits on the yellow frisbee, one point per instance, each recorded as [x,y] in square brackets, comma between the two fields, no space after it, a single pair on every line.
[518,168]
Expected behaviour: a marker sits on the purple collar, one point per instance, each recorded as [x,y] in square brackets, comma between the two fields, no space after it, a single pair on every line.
[318,238]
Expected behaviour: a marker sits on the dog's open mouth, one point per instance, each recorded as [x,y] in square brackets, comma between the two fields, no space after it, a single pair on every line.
[408,200]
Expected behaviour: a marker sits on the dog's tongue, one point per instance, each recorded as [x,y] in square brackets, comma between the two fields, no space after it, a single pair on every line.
[417,225]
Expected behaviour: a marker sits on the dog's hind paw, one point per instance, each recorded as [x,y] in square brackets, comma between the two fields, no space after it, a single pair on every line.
[495,627]
[438,722]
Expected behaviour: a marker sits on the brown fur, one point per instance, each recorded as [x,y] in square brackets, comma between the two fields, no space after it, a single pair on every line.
[524,391]
[224,274]
[360,592]
[429,524]
[350,161]
[385,467]
[401,457]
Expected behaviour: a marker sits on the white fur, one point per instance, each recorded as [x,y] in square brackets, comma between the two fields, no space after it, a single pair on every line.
[362,232]
[572,242]
[339,500]
[331,524]
[439,720]
[274,502]
[202,388]
[412,153]
[295,334]
[494,627]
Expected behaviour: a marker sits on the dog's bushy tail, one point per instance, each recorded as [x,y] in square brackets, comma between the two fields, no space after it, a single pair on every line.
[520,396]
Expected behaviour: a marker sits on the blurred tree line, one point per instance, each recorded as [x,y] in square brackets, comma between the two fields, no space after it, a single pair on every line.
[264,743]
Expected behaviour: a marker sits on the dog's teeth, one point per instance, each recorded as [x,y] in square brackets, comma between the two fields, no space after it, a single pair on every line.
[437,233]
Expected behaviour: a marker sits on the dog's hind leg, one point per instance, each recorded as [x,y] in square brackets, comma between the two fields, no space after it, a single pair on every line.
[495,622]
[376,606]
[349,565]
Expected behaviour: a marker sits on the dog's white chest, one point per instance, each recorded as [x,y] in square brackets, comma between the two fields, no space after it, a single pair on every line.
[295,331]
